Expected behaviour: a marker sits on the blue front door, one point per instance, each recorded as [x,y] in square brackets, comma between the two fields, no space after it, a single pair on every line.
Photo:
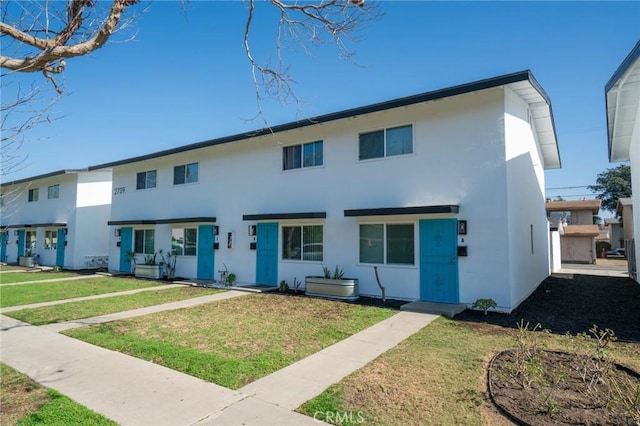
[3,247]
[206,252]
[126,245]
[267,253]
[62,242]
[439,260]
[21,242]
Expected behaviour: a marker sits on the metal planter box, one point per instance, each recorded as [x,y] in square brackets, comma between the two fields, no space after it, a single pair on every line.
[148,271]
[343,289]
[28,261]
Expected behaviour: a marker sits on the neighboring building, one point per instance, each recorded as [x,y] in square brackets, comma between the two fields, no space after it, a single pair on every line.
[622,95]
[616,235]
[577,232]
[58,219]
[442,191]
[624,210]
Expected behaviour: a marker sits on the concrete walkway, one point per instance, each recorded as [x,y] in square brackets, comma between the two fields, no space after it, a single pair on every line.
[135,392]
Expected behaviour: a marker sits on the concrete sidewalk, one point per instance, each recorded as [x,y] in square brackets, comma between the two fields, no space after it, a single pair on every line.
[135,392]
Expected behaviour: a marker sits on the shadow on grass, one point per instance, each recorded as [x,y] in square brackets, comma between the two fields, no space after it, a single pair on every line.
[573,304]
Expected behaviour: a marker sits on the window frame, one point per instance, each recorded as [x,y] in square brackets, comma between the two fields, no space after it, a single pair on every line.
[30,243]
[385,147]
[146,179]
[34,195]
[50,239]
[144,241]
[385,244]
[185,168]
[56,194]
[301,227]
[184,241]
[300,161]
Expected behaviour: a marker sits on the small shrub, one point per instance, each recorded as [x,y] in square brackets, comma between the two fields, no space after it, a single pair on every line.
[484,304]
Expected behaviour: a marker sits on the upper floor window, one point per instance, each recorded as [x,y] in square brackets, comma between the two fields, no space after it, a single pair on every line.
[146,180]
[302,242]
[304,155]
[387,244]
[184,241]
[386,143]
[33,194]
[187,173]
[144,241]
[50,239]
[53,191]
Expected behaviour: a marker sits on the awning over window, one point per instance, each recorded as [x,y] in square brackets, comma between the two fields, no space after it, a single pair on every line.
[284,216]
[163,221]
[392,211]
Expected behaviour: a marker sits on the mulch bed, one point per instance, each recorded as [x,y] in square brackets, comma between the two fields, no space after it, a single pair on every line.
[559,393]
[573,304]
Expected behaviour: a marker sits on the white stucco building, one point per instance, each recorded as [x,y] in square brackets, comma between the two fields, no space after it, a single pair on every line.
[58,218]
[622,95]
[442,191]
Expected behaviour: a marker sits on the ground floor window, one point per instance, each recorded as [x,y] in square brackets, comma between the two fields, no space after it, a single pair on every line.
[144,241]
[50,240]
[302,242]
[184,241]
[29,242]
[387,244]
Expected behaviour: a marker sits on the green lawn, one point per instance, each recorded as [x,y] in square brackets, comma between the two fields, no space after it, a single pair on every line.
[44,292]
[25,403]
[21,277]
[236,341]
[97,307]
[437,376]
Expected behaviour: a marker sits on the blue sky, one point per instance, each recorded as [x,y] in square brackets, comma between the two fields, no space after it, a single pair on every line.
[184,78]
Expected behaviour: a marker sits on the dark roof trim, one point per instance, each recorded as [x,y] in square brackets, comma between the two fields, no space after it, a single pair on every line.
[162,221]
[44,176]
[624,66]
[283,216]
[39,225]
[392,211]
[381,106]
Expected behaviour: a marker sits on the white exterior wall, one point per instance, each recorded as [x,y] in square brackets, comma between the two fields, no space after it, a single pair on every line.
[634,156]
[85,230]
[90,236]
[528,228]
[459,158]
[581,217]
[555,256]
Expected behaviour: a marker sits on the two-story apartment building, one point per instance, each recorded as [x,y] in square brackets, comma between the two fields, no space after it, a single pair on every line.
[622,96]
[58,218]
[578,232]
[443,191]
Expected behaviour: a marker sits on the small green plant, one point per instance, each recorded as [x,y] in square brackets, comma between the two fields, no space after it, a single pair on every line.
[169,259]
[231,279]
[296,285]
[283,286]
[484,304]
[57,268]
[337,273]
[150,259]
[131,258]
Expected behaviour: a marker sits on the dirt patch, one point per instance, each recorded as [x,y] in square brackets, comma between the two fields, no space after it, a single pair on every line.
[21,396]
[573,304]
[554,388]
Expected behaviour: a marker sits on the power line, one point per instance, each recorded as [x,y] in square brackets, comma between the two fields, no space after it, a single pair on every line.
[568,187]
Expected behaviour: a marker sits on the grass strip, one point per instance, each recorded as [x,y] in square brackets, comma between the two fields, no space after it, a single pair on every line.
[25,402]
[45,292]
[236,341]
[97,307]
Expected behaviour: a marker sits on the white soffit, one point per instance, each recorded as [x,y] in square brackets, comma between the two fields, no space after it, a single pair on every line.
[623,104]
[543,118]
